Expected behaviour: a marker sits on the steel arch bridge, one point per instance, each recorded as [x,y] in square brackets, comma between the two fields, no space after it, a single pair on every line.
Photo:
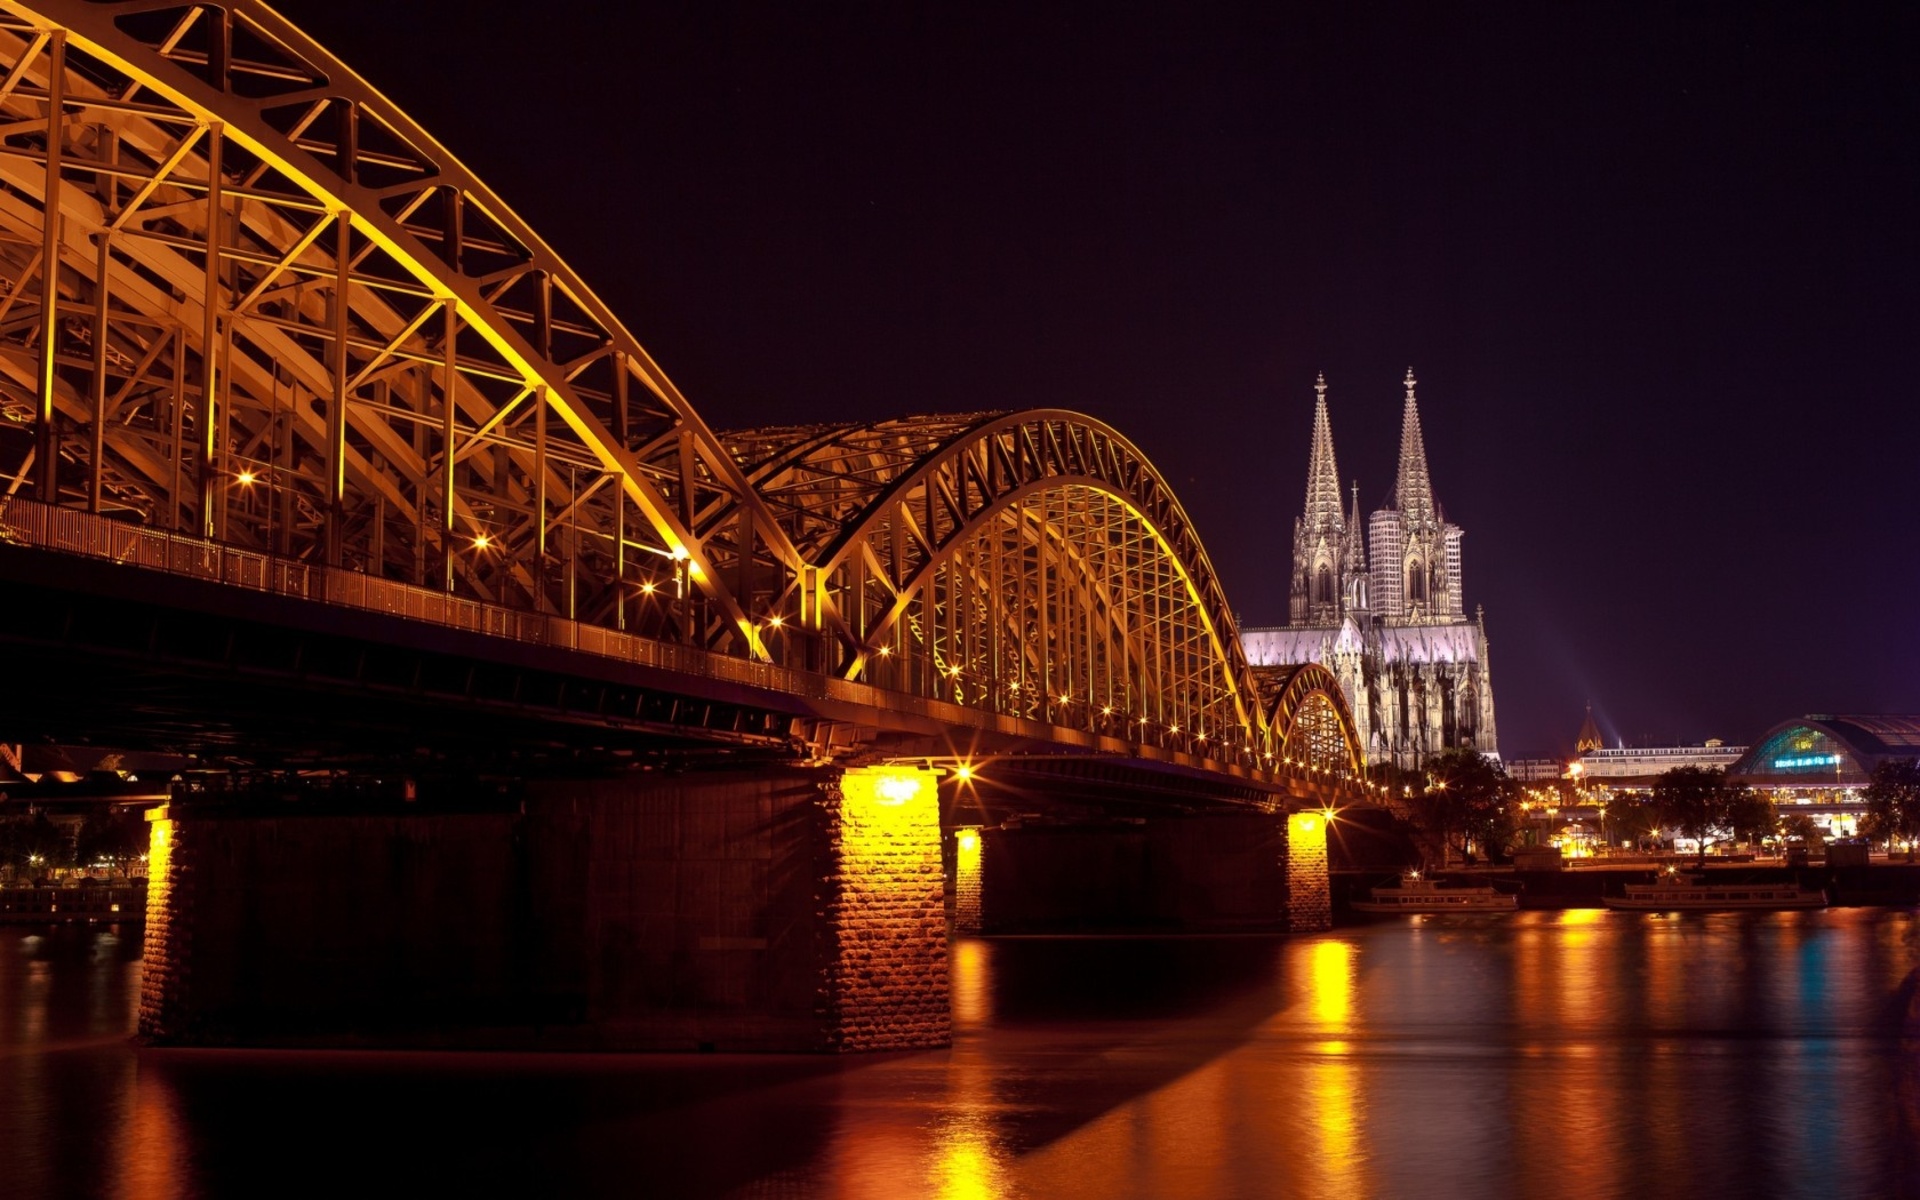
[250,304]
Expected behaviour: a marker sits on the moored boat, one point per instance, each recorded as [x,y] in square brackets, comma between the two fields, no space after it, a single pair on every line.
[1672,891]
[1416,895]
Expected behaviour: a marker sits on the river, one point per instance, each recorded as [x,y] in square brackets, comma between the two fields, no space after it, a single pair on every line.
[1550,1054]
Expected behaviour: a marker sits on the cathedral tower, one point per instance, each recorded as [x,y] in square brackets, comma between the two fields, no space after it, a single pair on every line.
[1413,666]
[1415,552]
[1325,547]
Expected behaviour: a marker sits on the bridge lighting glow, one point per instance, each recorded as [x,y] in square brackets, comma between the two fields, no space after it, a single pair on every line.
[885,652]
[1106,710]
[648,588]
[898,789]
[481,541]
[1173,729]
[968,840]
[246,478]
[963,772]
[680,554]
[776,621]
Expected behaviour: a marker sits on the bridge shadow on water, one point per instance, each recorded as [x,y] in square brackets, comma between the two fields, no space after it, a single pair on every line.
[1050,1033]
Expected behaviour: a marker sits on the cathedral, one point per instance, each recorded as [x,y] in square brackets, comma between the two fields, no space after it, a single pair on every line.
[1381,606]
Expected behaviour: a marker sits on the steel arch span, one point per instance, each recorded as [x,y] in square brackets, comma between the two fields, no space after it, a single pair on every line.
[249,302]
[1030,563]
[1312,726]
[271,311]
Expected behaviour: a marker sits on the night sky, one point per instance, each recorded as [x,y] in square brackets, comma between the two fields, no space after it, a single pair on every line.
[1657,275]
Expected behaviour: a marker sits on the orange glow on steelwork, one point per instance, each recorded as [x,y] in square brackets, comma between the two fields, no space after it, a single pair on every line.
[963,773]
[481,541]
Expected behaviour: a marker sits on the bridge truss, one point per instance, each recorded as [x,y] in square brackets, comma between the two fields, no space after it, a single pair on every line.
[250,303]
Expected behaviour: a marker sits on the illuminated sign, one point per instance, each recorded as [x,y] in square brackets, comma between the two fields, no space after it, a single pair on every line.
[1807,760]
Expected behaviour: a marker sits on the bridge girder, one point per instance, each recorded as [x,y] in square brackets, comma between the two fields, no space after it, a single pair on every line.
[1313,726]
[1010,559]
[282,316]
[251,302]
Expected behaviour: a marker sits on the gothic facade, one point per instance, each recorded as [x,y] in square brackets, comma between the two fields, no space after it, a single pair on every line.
[1385,612]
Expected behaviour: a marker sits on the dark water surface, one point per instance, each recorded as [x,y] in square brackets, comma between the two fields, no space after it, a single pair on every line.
[1584,1053]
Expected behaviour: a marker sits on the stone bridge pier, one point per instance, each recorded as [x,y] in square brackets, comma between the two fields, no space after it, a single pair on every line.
[1231,871]
[778,909]
[775,909]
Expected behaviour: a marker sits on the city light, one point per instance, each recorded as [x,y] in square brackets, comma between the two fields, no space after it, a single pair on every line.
[481,541]
[245,478]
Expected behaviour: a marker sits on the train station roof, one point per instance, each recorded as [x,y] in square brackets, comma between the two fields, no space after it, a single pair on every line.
[1825,750]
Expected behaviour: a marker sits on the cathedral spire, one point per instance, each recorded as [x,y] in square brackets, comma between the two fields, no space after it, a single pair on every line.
[1323,477]
[1413,491]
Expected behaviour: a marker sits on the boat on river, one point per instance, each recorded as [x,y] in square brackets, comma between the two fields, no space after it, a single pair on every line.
[1416,895]
[1672,891]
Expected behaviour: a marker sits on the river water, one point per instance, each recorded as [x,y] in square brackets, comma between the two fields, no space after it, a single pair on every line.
[1568,1054]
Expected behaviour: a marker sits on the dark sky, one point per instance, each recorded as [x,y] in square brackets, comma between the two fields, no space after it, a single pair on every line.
[1658,274]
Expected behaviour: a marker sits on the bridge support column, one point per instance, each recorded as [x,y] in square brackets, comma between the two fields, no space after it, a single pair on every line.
[883,913]
[1309,889]
[966,879]
[163,989]
[782,908]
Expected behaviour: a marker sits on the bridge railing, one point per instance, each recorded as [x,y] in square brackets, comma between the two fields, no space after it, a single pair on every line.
[71,531]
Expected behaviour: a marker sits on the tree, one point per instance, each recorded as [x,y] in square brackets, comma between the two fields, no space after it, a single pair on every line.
[1635,816]
[34,843]
[1467,800]
[110,835]
[1749,814]
[1799,827]
[1893,803]
[1699,803]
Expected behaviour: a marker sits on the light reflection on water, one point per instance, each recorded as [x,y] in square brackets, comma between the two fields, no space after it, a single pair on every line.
[1582,1053]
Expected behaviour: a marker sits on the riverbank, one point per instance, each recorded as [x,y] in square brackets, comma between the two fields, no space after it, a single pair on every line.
[1882,884]
[104,902]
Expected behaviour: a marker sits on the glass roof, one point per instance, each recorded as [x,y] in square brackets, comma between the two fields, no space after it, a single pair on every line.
[1828,749]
